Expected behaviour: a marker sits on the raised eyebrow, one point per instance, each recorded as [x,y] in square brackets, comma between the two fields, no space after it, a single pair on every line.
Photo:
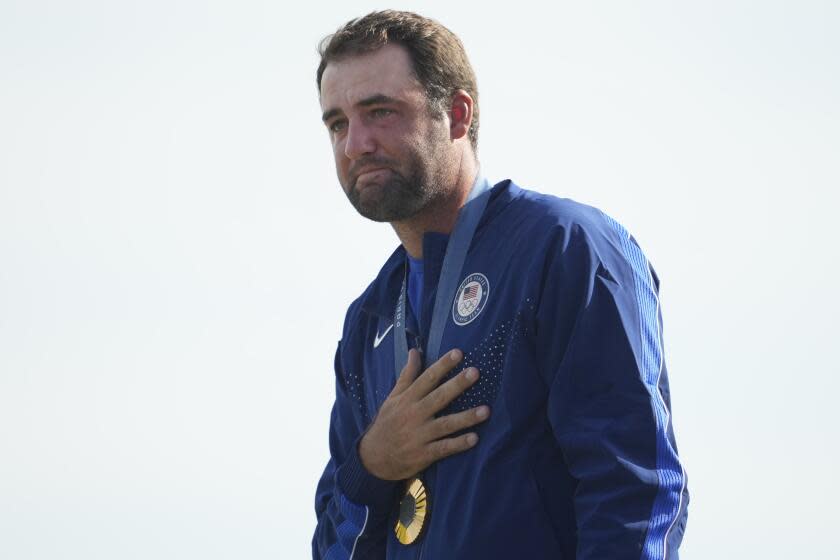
[330,114]
[377,99]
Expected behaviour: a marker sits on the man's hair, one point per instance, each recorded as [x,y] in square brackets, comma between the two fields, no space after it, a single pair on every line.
[439,60]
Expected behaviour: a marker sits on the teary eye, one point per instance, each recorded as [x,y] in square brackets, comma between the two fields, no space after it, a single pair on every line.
[337,125]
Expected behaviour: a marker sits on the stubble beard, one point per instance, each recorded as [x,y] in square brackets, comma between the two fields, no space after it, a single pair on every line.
[400,196]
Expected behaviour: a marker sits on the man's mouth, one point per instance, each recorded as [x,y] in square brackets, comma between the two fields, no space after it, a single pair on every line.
[372,174]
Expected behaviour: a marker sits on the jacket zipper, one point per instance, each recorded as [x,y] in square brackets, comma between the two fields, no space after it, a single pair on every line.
[418,341]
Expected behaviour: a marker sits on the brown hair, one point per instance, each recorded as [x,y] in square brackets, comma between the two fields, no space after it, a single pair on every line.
[439,61]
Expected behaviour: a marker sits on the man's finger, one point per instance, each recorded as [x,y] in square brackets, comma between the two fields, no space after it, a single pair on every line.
[409,372]
[430,378]
[437,400]
[450,446]
[445,425]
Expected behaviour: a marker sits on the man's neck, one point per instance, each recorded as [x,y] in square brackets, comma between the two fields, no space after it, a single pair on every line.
[440,217]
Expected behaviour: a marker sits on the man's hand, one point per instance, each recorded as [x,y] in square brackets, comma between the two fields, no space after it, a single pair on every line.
[405,437]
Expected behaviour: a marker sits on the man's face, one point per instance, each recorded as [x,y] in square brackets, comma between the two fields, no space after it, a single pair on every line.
[391,152]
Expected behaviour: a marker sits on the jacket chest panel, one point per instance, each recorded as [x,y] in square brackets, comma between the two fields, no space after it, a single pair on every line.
[488,342]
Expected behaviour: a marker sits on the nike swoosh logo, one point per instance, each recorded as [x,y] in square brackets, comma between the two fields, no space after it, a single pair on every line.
[378,340]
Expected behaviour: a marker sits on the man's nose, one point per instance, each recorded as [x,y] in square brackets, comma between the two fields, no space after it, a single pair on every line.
[359,141]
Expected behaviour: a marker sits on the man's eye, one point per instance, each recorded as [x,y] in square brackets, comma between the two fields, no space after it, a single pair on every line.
[381,112]
[337,126]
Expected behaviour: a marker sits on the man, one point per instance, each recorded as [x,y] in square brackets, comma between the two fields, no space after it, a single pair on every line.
[530,418]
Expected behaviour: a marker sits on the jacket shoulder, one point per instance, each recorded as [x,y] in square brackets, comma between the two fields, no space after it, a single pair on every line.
[561,221]
[572,236]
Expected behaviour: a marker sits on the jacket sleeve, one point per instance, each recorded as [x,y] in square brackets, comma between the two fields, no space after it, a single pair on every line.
[352,505]
[599,337]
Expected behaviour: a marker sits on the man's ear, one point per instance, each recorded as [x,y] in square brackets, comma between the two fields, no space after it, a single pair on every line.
[460,114]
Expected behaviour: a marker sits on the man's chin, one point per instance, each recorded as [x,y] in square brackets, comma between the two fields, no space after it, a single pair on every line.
[383,209]
[376,212]
[367,202]
[384,201]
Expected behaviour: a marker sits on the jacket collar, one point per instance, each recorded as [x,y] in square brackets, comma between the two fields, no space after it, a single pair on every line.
[381,298]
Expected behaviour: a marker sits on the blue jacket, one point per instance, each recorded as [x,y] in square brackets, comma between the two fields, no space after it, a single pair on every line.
[578,458]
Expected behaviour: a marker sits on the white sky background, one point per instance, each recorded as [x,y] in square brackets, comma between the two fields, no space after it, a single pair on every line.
[176,255]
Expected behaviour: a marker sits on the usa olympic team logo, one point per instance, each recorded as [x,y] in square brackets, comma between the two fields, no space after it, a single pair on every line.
[471,299]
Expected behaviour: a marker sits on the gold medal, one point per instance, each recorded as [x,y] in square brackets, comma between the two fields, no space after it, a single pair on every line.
[414,510]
